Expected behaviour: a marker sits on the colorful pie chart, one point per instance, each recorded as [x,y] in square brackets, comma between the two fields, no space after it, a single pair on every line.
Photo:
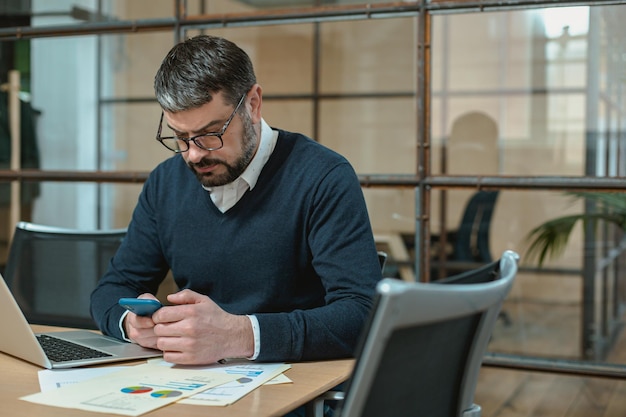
[166,394]
[136,390]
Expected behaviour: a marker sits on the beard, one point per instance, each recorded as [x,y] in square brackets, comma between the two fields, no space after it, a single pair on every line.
[234,170]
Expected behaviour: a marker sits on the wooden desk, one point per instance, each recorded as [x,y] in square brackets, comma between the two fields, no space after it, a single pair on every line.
[310,379]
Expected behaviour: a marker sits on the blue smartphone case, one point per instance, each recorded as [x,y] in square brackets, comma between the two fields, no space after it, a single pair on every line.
[140,306]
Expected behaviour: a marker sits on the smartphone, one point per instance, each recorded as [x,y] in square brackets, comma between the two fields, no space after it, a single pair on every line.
[140,306]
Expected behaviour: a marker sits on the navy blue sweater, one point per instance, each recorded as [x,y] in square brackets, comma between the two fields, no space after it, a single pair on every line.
[297,251]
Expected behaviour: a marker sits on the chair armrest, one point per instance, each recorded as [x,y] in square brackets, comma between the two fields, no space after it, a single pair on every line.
[473,411]
[332,396]
[316,407]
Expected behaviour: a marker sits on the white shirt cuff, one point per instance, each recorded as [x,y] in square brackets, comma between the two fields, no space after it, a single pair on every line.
[257,336]
[121,324]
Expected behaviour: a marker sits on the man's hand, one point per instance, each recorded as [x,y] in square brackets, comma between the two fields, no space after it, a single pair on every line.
[194,330]
[140,329]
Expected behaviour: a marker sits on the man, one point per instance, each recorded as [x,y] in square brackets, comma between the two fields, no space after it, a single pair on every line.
[266,232]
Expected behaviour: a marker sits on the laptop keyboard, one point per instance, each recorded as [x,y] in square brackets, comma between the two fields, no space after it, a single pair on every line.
[59,350]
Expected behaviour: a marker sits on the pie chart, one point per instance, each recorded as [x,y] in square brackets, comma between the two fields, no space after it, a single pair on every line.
[166,394]
[136,390]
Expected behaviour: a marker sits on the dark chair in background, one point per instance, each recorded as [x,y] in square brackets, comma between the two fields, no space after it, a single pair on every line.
[51,271]
[422,349]
[382,259]
[469,243]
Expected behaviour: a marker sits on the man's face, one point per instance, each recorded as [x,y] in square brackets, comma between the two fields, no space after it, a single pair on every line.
[222,166]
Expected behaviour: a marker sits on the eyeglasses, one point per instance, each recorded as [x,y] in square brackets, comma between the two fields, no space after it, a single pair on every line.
[210,141]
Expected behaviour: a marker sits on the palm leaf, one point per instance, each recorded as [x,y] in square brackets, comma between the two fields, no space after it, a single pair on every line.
[549,239]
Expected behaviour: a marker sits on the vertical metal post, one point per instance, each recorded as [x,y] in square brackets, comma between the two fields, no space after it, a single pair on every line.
[16,161]
[588,330]
[180,11]
[99,142]
[443,159]
[422,198]
[317,53]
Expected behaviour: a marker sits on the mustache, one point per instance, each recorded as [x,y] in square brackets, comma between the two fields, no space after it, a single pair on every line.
[205,162]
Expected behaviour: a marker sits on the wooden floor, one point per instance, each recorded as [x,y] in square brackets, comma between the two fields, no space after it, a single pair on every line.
[505,393]
[510,393]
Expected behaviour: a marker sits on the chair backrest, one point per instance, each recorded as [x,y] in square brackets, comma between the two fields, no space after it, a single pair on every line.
[421,351]
[51,271]
[382,259]
[472,237]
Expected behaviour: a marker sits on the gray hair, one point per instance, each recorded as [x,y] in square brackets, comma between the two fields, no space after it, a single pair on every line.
[196,69]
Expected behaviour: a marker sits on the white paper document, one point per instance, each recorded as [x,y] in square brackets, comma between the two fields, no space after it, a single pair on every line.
[50,379]
[132,391]
[279,379]
[249,376]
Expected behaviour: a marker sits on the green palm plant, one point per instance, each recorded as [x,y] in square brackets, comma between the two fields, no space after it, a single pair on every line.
[549,239]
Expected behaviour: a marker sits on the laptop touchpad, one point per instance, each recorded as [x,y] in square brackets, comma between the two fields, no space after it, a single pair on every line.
[99,342]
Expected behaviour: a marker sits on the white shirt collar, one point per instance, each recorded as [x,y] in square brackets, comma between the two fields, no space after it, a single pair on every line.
[226,196]
[266,147]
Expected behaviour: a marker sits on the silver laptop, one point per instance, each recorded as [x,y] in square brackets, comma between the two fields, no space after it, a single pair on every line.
[66,349]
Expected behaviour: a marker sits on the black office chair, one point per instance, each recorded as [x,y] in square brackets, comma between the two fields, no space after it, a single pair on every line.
[422,349]
[51,271]
[382,259]
[469,243]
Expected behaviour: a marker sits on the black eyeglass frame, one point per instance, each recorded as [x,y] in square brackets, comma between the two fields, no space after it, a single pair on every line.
[194,138]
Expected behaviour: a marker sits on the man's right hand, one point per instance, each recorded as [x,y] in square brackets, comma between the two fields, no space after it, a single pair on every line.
[140,329]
